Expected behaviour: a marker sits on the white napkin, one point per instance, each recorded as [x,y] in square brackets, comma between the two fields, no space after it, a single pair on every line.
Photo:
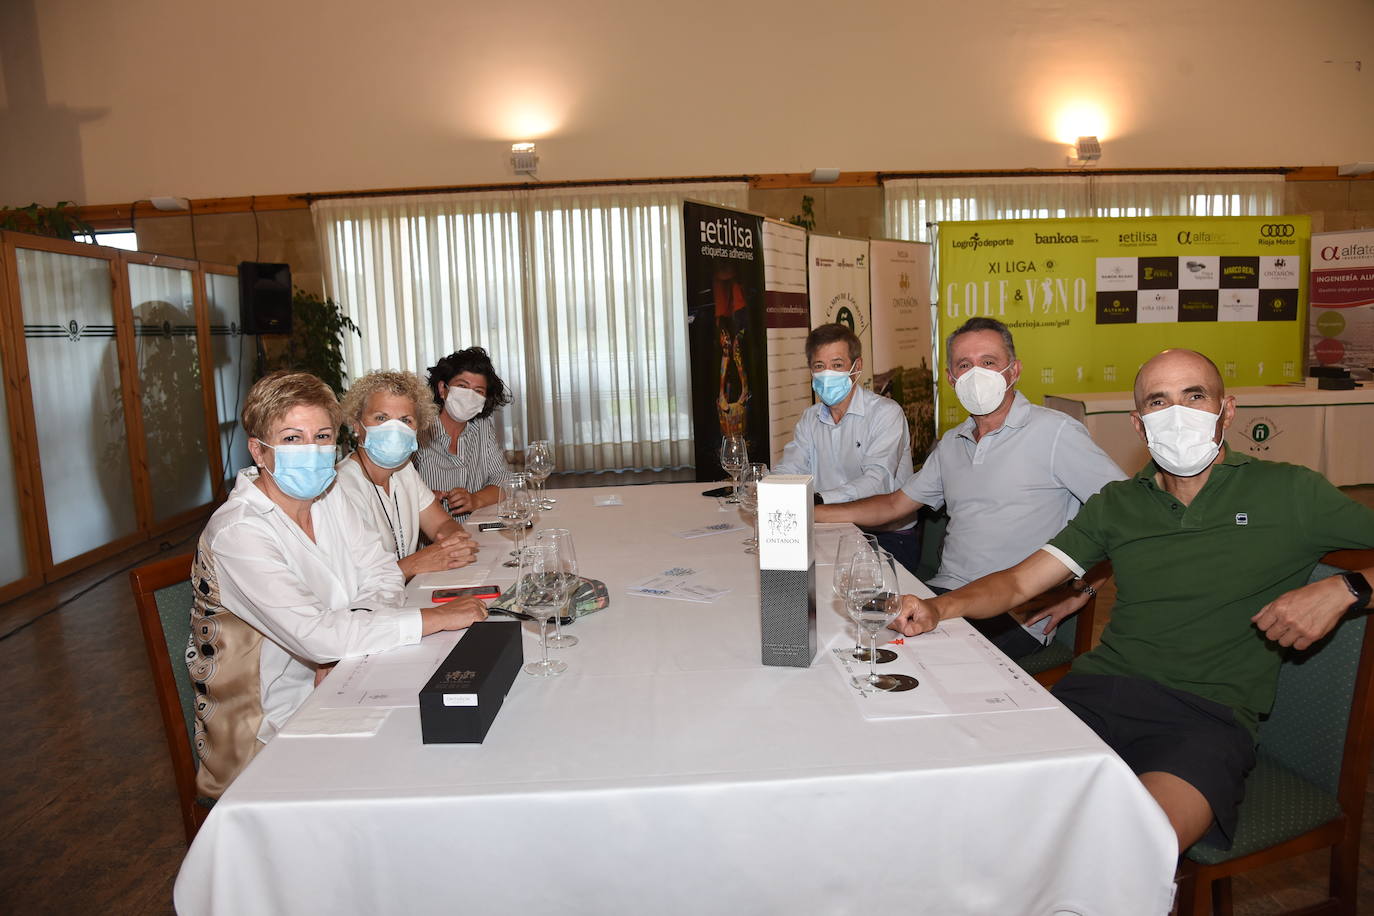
[335,723]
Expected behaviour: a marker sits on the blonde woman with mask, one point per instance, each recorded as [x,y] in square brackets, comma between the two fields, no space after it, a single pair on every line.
[390,413]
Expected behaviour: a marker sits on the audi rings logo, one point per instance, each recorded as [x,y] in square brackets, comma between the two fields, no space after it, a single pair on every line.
[1277,231]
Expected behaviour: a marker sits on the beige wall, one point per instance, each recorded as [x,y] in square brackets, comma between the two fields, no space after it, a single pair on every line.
[111,102]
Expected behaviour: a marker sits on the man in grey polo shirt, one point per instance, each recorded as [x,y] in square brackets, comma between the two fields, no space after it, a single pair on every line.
[855,442]
[1011,476]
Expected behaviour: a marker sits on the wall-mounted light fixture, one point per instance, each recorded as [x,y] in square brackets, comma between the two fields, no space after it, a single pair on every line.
[825,176]
[523,158]
[1355,169]
[1084,150]
[170,204]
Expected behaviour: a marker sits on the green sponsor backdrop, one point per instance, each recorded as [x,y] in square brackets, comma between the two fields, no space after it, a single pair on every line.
[1089,300]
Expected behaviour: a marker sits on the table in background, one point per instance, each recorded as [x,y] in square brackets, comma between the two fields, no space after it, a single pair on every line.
[668,771]
[1328,431]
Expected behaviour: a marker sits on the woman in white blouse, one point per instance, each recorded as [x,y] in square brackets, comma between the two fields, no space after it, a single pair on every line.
[286,582]
[463,463]
[389,412]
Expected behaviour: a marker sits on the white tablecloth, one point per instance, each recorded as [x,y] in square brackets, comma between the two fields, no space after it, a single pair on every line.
[1328,431]
[669,772]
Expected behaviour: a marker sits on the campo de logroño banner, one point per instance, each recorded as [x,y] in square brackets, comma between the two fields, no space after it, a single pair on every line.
[1089,300]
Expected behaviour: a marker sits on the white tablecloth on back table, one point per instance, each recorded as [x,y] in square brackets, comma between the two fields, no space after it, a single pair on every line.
[1328,431]
[670,772]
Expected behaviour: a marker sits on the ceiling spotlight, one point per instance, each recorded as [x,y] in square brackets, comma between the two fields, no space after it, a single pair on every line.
[1087,149]
[523,159]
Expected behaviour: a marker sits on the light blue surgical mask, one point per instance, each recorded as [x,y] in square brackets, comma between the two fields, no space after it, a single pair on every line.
[303,471]
[831,385]
[389,444]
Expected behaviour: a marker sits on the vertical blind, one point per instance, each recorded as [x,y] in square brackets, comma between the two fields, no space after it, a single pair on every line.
[577,293]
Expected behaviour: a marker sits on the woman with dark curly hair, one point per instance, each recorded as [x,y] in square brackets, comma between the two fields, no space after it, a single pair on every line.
[462,462]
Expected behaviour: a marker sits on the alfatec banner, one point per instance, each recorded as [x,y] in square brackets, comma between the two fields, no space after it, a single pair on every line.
[1341,329]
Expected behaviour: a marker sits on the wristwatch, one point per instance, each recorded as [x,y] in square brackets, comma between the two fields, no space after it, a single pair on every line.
[1359,587]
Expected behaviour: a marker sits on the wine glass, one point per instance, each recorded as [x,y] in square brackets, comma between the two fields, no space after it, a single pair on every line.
[873,602]
[539,465]
[519,509]
[853,543]
[562,541]
[749,499]
[734,455]
[540,590]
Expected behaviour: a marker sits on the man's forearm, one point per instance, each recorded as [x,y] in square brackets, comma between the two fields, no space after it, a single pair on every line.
[872,510]
[999,592]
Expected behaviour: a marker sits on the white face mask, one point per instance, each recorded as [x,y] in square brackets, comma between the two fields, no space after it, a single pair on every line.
[981,390]
[1182,439]
[462,404]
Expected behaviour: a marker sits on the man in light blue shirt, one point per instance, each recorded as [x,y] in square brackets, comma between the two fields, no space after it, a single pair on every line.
[1011,477]
[853,442]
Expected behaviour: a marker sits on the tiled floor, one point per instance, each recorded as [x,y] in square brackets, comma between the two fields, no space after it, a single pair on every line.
[87,810]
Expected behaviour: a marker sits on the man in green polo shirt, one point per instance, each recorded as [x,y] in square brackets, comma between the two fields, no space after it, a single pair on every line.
[1212,551]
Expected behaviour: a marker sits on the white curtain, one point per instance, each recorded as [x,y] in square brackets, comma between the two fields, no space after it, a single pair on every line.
[913,204]
[577,294]
[1186,195]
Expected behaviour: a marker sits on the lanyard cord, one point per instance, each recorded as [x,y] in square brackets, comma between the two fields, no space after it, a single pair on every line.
[398,531]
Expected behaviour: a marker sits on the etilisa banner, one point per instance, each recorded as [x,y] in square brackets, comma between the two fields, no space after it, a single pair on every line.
[723,267]
[1341,321]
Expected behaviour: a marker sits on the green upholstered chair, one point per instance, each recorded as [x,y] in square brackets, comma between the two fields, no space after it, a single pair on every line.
[162,593]
[1307,789]
[1071,638]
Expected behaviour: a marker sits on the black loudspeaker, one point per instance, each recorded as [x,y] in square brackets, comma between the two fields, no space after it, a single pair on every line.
[265,298]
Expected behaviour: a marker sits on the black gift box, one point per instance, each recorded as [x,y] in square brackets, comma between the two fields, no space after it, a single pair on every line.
[461,700]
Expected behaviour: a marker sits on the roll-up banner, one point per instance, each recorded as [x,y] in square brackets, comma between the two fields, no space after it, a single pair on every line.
[726,323]
[837,270]
[1088,301]
[1341,328]
[789,318]
[901,352]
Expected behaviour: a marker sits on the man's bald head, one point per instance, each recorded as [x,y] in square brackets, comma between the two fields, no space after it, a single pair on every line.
[1174,371]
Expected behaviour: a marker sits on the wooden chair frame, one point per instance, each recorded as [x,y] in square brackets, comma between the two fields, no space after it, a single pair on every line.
[1201,885]
[146,581]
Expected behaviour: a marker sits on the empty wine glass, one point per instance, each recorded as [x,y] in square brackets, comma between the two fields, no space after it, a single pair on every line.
[749,499]
[562,541]
[519,510]
[873,602]
[539,465]
[853,543]
[540,590]
[734,455]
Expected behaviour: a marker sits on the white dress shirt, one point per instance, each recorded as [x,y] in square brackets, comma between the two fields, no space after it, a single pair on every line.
[866,453]
[314,601]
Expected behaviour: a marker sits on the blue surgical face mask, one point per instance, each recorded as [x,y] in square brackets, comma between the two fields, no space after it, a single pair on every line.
[303,471]
[389,444]
[831,385]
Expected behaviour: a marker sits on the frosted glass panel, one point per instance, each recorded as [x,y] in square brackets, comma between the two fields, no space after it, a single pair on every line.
[231,352]
[77,403]
[169,371]
[12,561]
